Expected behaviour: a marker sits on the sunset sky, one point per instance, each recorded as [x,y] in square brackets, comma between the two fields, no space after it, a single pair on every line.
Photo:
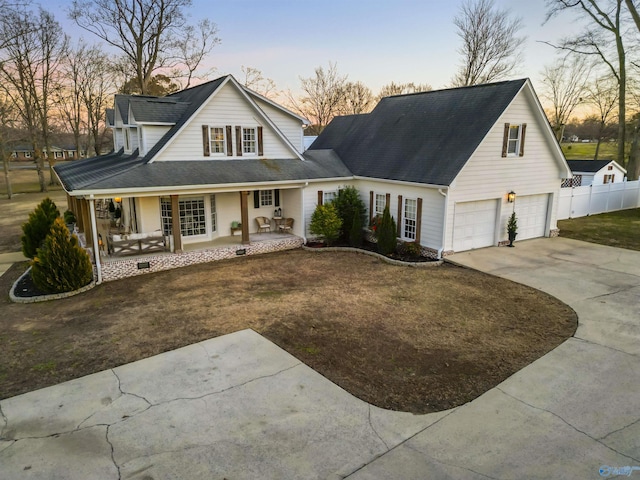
[373,41]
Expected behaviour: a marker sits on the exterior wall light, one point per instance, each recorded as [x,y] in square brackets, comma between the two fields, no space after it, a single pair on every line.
[511,196]
[119,200]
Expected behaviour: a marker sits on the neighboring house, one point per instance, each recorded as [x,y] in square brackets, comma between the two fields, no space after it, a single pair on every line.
[594,172]
[25,152]
[218,154]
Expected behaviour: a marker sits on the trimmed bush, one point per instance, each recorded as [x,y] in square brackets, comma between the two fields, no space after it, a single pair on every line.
[348,204]
[38,227]
[69,217]
[61,265]
[356,234]
[326,223]
[387,233]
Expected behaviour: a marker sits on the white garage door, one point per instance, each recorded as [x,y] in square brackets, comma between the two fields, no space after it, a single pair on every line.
[531,211]
[474,225]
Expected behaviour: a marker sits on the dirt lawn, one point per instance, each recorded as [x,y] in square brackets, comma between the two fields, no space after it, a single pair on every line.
[417,340]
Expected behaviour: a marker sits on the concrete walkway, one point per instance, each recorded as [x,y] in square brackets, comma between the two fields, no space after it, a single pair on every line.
[238,407]
[573,411]
[8,259]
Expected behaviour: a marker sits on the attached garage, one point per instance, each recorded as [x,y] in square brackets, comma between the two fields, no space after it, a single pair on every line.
[531,211]
[474,225]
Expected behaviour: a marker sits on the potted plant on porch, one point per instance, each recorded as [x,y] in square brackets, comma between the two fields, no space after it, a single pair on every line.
[512,228]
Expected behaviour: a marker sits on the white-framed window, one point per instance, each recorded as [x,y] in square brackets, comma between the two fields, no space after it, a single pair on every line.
[513,142]
[266,198]
[14,154]
[329,196]
[27,154]
[608,178]
[217,140]
[409,219]
[380,203]
[248,140]
[57,154]
[214,215]
[193,216]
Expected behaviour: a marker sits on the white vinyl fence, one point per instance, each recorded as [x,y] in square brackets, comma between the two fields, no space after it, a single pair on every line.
[592,199]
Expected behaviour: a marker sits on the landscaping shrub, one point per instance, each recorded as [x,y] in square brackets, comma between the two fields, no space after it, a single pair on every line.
[61,265]
[348,204]
[326,223]
[38,226]
[409,249]
[69,217]
[356,234]
[387,233]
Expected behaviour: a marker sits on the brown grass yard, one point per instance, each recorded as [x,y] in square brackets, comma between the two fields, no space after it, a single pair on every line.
[418,340]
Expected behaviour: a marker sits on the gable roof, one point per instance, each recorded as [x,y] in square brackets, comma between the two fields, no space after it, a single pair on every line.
[422,137]
[590,166]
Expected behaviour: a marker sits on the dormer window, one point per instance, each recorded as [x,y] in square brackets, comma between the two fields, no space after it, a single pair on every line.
[248,140]
[513,141]
[217,140]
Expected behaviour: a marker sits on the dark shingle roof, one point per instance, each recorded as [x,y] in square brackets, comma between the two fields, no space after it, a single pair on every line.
[82,173]
[587,165]
[423,137]
[157,110]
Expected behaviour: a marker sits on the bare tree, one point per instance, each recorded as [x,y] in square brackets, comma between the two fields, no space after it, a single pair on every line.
[393,88]
[357,99]
[491,48]
[602,39]
[322,96]
[30,59]
[152,34]
[8,123]
[254,80]
[565,85]
[602,94]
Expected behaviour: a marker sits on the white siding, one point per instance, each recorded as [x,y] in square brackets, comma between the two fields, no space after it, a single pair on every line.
[432,204]
[289,126]
[150,136]
[227,107]
[118,139]
[598,178]
[488,175]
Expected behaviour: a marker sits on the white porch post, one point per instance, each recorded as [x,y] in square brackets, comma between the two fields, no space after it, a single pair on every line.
[94,230]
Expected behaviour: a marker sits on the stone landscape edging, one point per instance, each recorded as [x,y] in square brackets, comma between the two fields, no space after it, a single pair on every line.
[45,298]
[431,263]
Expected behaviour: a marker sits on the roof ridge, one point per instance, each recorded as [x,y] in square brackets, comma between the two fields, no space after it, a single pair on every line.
[450,89]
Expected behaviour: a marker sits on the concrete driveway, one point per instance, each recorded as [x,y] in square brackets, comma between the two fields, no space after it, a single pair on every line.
[238,407]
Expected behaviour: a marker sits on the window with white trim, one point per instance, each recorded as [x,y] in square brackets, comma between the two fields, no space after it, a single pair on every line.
[608,178]
[248,140]
[217,140]
[513,142]
[266,198]
[14,154]
[57,154]
[380,203]
[27,154]
[409,219]
[329,196]
[165,215]
[193,220]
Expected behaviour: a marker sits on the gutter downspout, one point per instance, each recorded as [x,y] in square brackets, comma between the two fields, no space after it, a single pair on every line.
[445,194]
[96,247]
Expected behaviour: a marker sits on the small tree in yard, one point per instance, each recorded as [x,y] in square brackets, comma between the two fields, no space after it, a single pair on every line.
[61,265]
[387,241]
[356,234]
[326,223]
[348,204]
[38,226]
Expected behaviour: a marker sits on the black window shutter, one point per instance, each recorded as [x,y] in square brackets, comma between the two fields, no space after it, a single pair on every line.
[205,141]
[260,143]
[239,141]
[505,140]
[276,195]
[523,130]
[229,141]
[256,199]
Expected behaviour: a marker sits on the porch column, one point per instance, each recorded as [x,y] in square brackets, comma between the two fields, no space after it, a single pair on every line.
[96,246]
[244,216]
[86,222]
[175,223]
